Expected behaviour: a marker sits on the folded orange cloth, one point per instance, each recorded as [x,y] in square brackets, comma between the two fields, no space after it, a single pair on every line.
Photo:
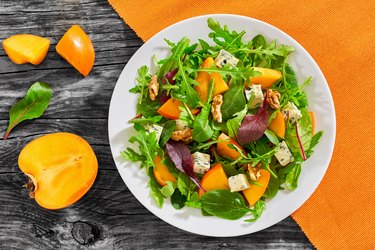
[340,35]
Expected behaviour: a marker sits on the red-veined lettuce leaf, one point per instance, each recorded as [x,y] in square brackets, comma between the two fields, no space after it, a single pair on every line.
[180,155]
[254,126]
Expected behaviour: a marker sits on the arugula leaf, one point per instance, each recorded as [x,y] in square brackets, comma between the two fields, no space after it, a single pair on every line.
[143,79]
[148,147]
[186,88]
[131,155]
[289,89]
[259,207]
[202,129]
[304,131]
[170,63]
[204,146]
[31,106]
[233,101]
[166,134]
[144,121]
[224,204]
[155,187]
[222,36]
[314,141]
[234,123]
[238,73]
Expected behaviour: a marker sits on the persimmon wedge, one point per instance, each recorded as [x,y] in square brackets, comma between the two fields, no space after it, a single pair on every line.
[225,150]
[204,78]
[161,172]
[171,109]
[26,48]
[267,78]
[214,179]
[277,125]
[62,167]
[77,49]
[254,193]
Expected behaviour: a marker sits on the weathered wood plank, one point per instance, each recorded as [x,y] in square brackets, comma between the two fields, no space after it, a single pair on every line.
[108,216]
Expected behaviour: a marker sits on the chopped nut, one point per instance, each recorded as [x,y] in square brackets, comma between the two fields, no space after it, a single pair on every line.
[254,171]
[273,98]
[153,87]
[185,135]
[217,101]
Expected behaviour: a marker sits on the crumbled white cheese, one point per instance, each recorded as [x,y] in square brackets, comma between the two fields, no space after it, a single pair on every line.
[290,110]
[254,96]
[154,128]
[283,155]
[201,162]
[225,57]
[238,183]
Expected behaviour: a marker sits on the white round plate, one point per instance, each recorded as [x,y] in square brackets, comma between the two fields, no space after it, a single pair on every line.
[122,109]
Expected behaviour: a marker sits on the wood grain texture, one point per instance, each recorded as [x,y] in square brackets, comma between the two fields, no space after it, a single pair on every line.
[108,216]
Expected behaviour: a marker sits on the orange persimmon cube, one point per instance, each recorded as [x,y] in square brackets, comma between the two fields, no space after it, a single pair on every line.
[277,125]
[214,179]
[161,172]
[204,78]
[171,109]
[26,48]
[267,78]
[224,150]
[77,49]
[255,192]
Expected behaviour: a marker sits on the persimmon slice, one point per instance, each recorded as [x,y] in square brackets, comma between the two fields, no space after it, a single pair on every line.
[62,167]
[277,125]
[214,179]
[26,48]
[76,48]
[225,150]
[161,172]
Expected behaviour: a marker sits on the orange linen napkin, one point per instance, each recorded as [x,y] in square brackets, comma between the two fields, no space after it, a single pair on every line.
[340,36]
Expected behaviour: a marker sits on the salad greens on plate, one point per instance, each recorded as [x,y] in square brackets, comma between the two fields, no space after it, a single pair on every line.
[222,126]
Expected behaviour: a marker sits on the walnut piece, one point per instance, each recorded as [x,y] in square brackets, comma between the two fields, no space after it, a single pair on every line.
[273,98]
[254,171]
[217,101]
[153,87]
[184,135]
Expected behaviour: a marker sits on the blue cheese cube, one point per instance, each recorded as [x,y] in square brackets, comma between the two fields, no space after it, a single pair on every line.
[290,110]
[154,128]
[238,183]
[283,155]
[225,57]
[254,96]
[201,162]
[180,125]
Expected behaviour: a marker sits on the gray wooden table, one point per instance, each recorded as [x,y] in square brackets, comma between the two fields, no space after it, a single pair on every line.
[108,216]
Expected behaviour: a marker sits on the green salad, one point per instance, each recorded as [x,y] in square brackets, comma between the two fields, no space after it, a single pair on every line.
[223,125]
